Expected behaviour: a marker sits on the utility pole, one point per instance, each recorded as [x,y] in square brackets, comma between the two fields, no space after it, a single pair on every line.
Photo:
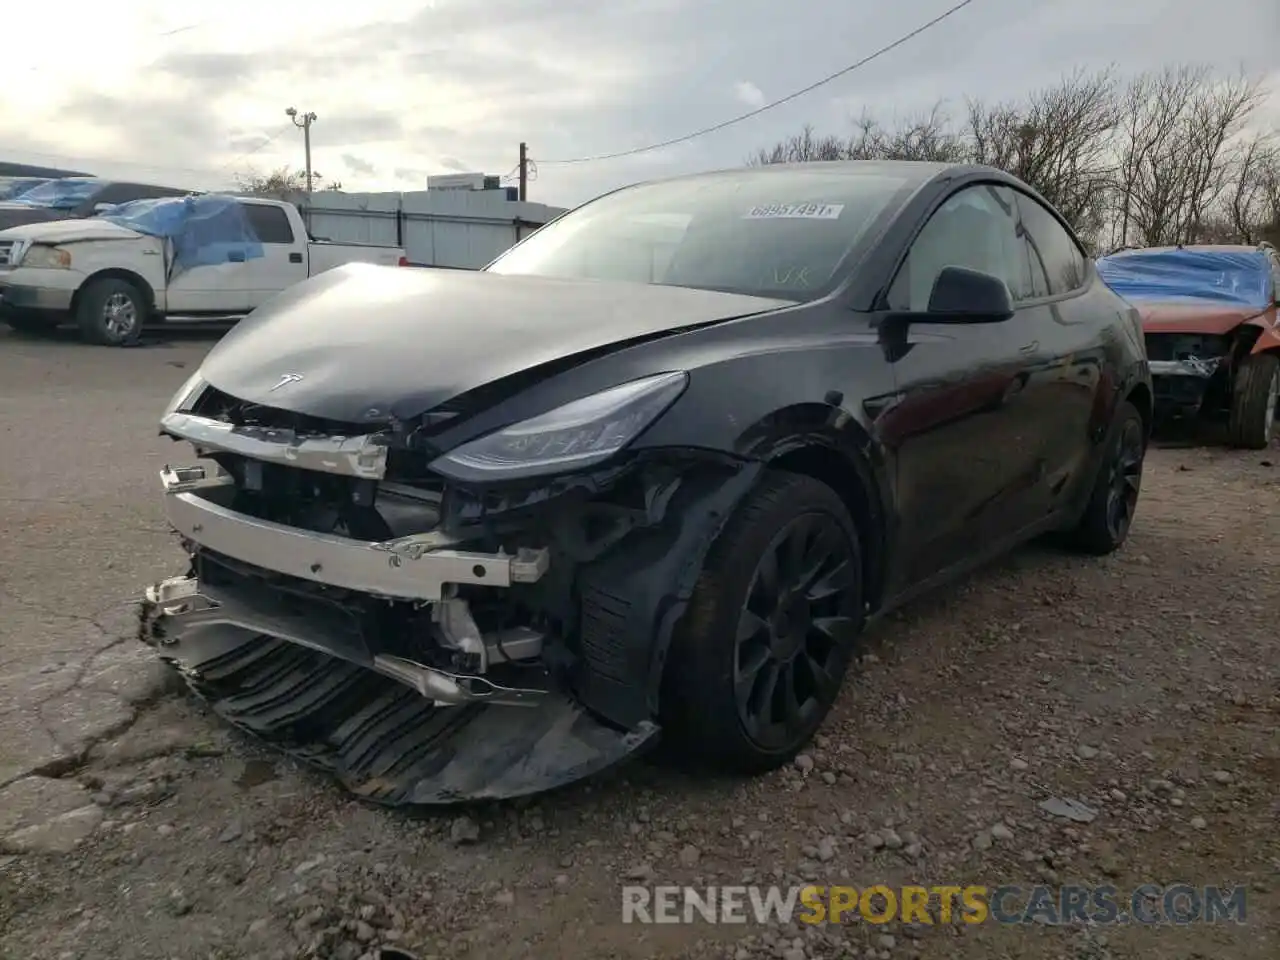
[524,172]
[305,124]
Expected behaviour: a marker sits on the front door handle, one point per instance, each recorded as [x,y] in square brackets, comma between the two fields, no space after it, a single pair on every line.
[1031,347]
[295,257]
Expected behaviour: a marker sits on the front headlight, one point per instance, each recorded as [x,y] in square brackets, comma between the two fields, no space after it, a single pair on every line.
[46,257]
[576,435]
[186,393]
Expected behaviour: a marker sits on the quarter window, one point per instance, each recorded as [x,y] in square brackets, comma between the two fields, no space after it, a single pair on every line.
[1057,265]
[976,228]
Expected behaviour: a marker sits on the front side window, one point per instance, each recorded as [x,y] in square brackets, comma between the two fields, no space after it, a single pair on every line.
[774,233]
[269,223]
[1057,264]
[975,228]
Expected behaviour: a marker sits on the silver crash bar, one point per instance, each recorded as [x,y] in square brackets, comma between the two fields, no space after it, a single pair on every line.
[415,567]
[1190,367]
[346,456]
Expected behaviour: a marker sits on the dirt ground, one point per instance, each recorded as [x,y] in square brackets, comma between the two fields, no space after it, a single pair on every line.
[1145,686]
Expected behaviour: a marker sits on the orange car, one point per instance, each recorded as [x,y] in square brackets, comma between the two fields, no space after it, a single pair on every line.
[1209,315]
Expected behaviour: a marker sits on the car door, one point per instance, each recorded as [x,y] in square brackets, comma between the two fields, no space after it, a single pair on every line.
[217,282]
[283,262]
[960,431]
[1074,333]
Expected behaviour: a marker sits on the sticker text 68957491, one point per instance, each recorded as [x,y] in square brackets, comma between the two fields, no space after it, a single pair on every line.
[795,211]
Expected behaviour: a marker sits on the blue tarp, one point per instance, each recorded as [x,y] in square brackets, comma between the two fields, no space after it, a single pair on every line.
[1219,276]
[201,231]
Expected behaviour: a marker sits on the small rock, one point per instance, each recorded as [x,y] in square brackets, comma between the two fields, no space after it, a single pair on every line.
[1017,763]
[887,941]
[232,831]
[364,931]
[464,830]
[875,841]
[689,855]
[982,841]
[1198,823]
[826,849]
[1222,776]
[892,841]
[828,778]
[641,871]
[1086,752]
[804,763]
[505,898]
[1001,832]
[1069,809]
[61,834]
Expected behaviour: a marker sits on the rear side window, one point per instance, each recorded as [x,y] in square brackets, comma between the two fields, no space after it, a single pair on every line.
[269,223]
[1057,265]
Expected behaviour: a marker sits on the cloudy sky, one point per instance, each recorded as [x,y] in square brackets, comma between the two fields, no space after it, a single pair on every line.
[191,93]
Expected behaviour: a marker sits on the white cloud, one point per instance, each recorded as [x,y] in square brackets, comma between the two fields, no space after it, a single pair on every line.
[405,90]
[748,93]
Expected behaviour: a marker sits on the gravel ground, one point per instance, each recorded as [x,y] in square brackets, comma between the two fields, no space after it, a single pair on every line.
[1145,686]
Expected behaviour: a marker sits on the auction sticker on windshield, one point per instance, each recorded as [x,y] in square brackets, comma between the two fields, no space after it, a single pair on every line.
[795,211]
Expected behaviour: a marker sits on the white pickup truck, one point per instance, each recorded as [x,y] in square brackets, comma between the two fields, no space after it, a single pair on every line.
[194,258]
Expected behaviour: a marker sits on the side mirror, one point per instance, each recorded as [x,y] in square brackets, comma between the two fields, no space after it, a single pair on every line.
[961,295]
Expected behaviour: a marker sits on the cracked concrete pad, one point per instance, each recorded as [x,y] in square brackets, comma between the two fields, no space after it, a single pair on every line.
[31,681]
[33,800]
[60,834]
[26,746]
[131,672]
[81,717]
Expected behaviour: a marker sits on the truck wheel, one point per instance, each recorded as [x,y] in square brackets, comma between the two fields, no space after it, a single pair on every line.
[111,312]
[1255,394]
[1104,527]
[759,656]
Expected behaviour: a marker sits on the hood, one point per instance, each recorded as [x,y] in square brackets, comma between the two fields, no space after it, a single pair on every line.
[1183,317]
[368,342]
[66,231]
[13,214]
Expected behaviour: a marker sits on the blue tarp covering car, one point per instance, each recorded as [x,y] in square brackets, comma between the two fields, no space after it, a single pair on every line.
[199,230]
[1227,277]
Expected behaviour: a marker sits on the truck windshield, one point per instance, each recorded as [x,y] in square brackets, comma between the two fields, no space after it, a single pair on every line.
[60,194]
[12,189]
[775,233]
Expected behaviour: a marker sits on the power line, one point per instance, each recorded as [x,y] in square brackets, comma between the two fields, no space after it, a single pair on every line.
[776,103]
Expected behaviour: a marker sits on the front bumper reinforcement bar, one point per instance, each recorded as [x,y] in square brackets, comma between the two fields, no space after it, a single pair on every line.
[415,567]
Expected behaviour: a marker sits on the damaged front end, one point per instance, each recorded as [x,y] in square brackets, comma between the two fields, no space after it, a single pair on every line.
[424,640]
[1190,372]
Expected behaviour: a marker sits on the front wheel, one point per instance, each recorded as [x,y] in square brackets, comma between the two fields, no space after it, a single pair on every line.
[769,632]
[1104,527]
[111,312]
[1255,394]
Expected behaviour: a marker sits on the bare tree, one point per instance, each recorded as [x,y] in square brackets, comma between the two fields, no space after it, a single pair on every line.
[1059,140]
[803,147]
[1252,201]
[922,138]
[282,183]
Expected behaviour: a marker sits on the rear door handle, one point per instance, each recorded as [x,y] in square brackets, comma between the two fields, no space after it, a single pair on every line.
[295,257]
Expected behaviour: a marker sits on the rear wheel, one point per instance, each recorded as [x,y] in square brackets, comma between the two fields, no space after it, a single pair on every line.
[1255,395]
[1104,527]
[111,312]
[769,632]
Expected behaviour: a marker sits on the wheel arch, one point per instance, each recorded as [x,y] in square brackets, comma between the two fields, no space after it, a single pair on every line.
[1141,397]
[116,273]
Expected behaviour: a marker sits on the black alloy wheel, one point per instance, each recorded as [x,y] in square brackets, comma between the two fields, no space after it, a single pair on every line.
[801,611]
[1125,479]
[759,656]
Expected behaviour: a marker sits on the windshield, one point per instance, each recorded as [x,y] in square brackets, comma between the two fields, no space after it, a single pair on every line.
[767,233]
[15,188]
[61,194]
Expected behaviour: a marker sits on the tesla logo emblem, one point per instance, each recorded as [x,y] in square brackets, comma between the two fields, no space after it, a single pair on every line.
[285,380]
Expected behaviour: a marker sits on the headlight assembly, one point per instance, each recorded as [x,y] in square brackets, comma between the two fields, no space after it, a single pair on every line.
[46,257]
[576,435]
[186,393]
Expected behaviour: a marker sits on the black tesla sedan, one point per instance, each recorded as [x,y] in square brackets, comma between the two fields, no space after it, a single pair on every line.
[649,474]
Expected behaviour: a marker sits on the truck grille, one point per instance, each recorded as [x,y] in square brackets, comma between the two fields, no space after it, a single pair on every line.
[6,250]
[1185,346]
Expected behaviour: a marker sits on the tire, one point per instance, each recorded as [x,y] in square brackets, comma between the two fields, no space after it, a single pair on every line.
[1104,526]
[111,313]
[702,714]
[32,326]
[1255,394]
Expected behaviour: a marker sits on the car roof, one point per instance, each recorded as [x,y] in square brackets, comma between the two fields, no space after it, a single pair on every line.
[918,172]
[1195,248]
